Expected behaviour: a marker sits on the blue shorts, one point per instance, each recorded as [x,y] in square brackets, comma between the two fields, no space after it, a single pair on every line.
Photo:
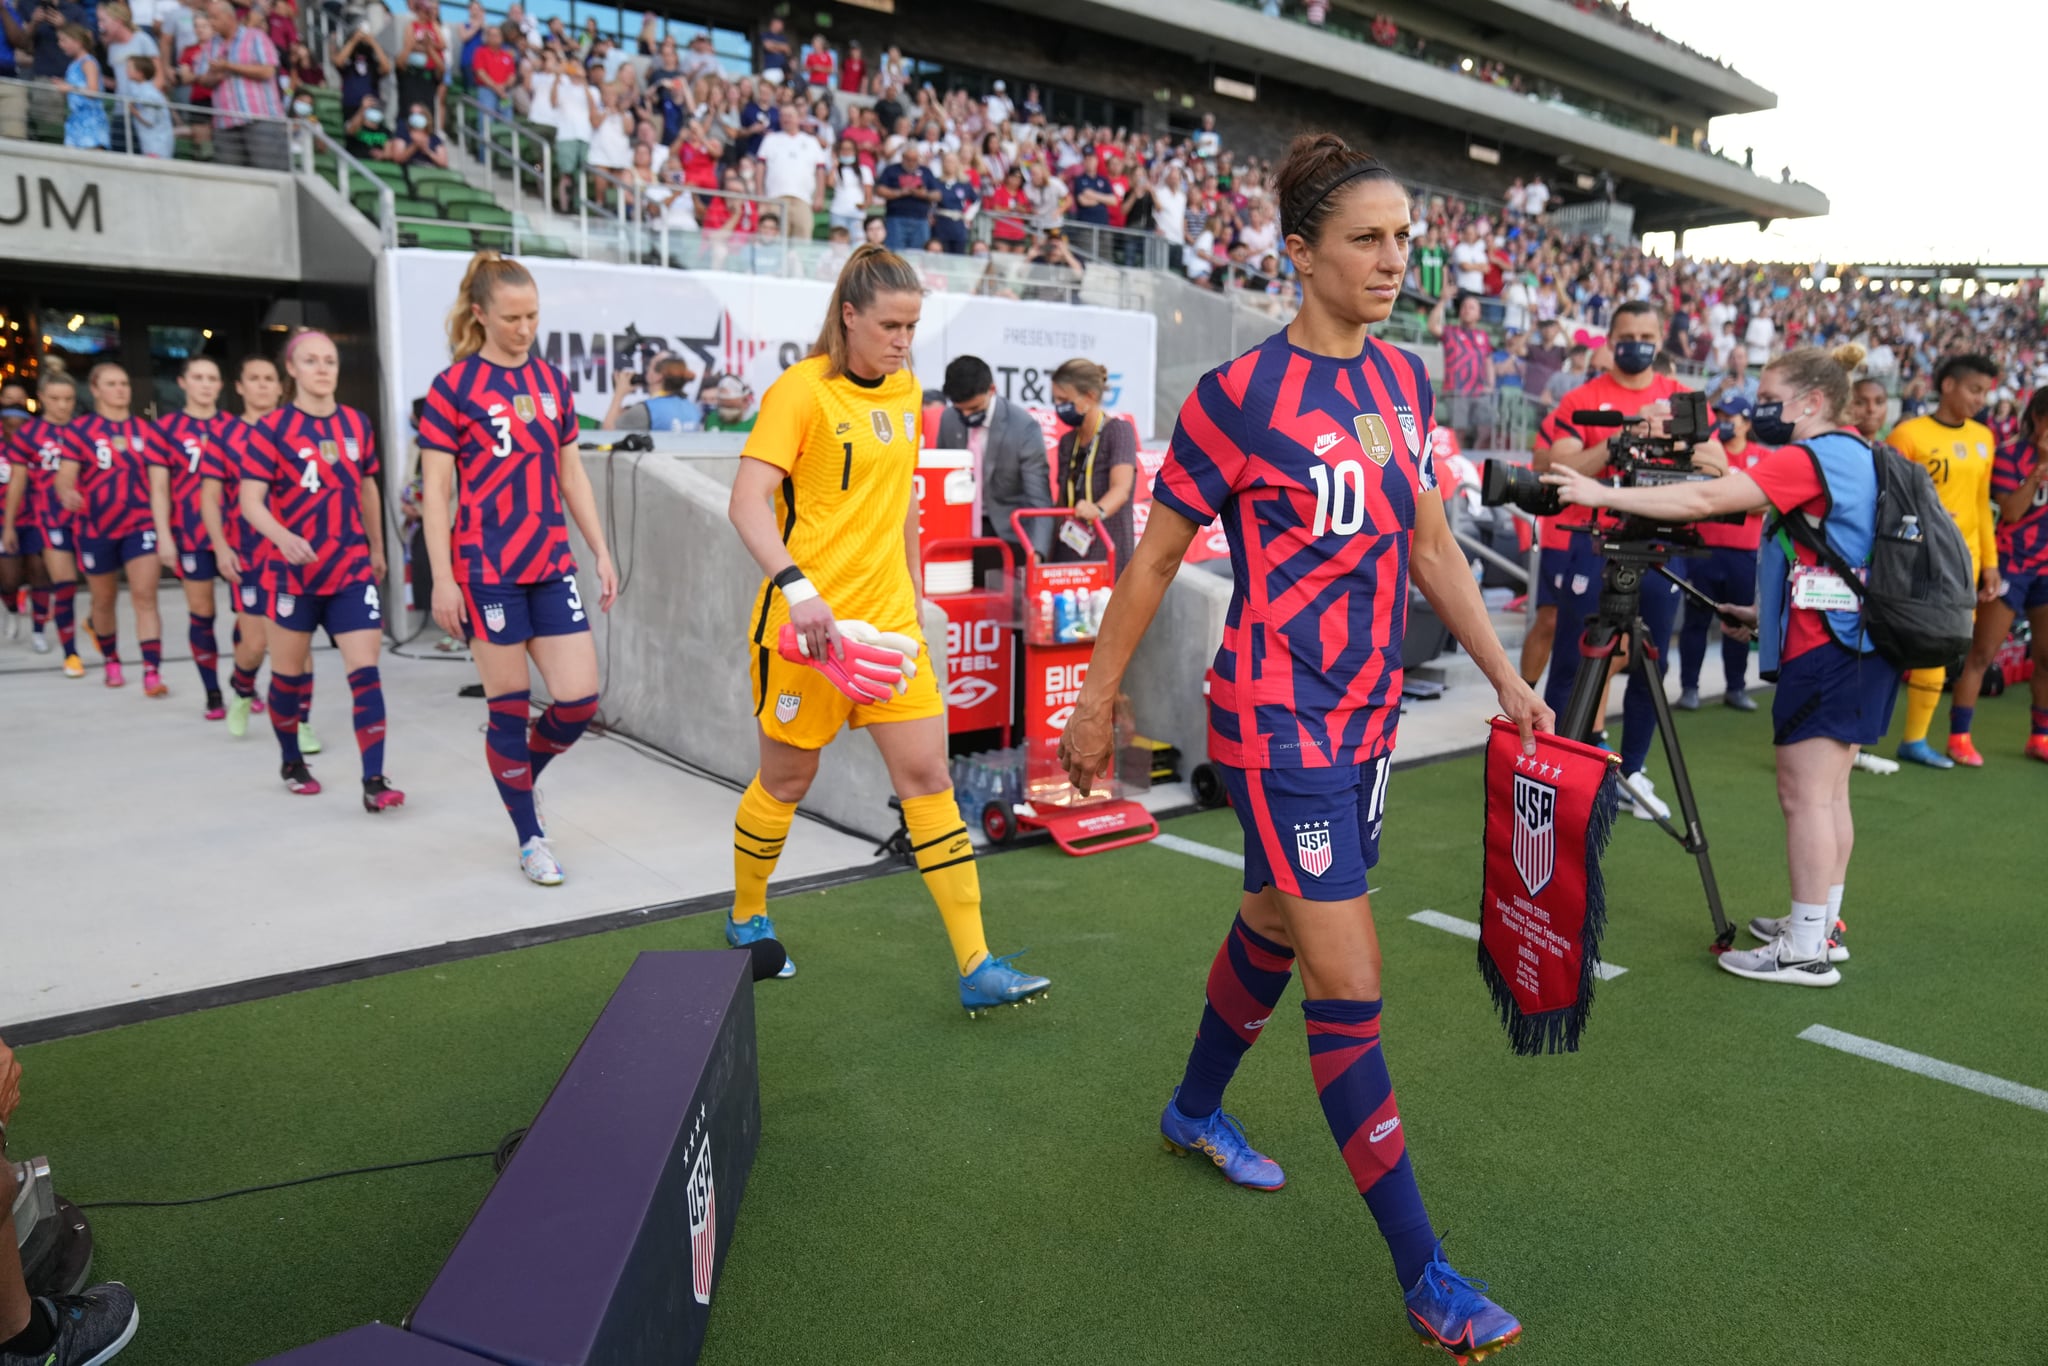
[1572,571]
[57,536]
[28,540]
[2023,592]
[108,554]
[252,599]
[197,566]
[354,608]
[1312,833]
[1830,693]
[508,613]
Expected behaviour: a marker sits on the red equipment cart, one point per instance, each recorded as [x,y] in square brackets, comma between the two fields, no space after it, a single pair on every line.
[1053,673]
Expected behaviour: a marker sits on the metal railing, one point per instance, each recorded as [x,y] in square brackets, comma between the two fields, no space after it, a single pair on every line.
[37,111]
[311,140]
[530,154]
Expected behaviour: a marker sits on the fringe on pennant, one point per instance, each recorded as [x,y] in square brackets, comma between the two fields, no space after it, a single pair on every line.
[1558,1031]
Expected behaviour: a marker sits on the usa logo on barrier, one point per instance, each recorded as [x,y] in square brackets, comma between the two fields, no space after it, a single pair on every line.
[1312,849]
[703,1223]
[1535,832]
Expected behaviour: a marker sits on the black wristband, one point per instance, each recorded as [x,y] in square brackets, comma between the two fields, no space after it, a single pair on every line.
[788,576]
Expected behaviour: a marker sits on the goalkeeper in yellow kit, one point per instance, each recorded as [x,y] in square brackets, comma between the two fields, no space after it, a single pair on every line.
[1958,452]
[823,503]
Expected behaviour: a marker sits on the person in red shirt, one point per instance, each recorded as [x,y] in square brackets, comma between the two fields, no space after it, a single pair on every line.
[819,64]
[494,69]
[1834,694]
[1725,570]
[853,73]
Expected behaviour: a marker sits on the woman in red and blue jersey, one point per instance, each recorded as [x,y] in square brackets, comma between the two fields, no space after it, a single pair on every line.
[41,520]
[309,489]
[103,478]
[1313,449]
[2019,484]
[236,547]
[195,440]
[499,426]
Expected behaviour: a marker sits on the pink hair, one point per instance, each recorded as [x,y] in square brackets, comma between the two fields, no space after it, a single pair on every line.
[298,337]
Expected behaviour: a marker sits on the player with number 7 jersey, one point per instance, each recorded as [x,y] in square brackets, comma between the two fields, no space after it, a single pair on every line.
[196,440]
[309,489]
[498,431]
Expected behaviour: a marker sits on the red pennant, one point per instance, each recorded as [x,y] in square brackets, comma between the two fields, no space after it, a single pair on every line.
[1543,905]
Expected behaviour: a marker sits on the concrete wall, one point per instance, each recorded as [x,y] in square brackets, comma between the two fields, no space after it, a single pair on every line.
[1165,678]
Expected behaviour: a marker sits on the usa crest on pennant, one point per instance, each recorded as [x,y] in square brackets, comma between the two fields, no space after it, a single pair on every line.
[1312,850]
[1535,848]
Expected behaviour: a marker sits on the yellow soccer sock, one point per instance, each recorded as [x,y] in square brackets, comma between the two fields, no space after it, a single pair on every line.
[945,855]
[757,835]
[1923,694]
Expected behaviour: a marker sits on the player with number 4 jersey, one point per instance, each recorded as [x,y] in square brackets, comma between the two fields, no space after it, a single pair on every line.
[309,488]
[1314,450]
[499,426]
[195,439]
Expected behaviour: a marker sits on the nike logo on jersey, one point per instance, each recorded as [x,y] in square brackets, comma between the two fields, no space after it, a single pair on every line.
[1383,1128]
[1327,440]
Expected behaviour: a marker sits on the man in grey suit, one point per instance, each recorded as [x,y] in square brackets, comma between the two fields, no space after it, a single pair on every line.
[1009,449]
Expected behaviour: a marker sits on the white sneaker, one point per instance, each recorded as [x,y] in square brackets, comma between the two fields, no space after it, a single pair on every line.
[537,861]
[1871,763]
[1642,797]
[1774,963]
[1766,928]
[14,625]
[39,643]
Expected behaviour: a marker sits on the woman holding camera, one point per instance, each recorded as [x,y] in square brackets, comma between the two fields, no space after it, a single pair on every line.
[1834,693]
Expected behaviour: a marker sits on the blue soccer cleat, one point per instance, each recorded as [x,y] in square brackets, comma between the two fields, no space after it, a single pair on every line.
[740,933]
[1221,1139]
[994,983]
[1450,1312]
[1920,752]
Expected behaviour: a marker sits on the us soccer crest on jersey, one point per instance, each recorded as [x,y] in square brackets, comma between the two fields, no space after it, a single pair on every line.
[1316,467]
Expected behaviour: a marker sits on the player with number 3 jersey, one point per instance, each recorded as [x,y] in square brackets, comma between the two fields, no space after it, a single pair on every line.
[195,438]
[499,425]
[1313,449]
[309,489]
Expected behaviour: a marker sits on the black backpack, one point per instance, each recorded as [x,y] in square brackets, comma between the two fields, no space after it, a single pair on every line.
[1919,596]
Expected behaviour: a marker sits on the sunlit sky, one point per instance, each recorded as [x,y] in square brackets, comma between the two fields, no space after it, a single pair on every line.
[1921,122]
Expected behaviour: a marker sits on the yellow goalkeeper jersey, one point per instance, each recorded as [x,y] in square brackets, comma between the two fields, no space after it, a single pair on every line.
[1959,459]
[848,453]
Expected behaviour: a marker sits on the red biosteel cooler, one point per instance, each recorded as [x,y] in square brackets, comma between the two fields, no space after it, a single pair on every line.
[1053,673]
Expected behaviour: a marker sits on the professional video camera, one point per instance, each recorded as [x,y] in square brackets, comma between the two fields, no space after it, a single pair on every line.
[1639,460]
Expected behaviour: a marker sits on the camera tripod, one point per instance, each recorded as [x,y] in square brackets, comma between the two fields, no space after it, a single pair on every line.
[1618,624]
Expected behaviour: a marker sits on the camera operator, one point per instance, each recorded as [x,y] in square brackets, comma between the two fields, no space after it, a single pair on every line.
[1569,588]
[68,1331]
[1834,693]
[667,407]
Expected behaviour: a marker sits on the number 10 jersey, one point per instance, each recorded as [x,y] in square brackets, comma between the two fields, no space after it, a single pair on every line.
[1315,466]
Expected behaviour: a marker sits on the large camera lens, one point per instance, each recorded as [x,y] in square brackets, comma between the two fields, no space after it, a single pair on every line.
[1503,483]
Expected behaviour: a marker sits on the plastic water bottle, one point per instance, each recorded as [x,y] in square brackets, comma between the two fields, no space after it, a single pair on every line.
[1101,596]
[1909,528]
[1047,625]
[1063,616]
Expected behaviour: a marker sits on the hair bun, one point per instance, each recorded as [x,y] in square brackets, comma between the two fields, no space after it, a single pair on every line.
[1848,355]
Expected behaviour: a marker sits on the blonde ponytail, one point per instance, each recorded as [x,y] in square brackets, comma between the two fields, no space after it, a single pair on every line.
[487,270]
[870,271]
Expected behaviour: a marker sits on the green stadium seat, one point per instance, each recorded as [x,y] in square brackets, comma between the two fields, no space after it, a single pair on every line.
[461,212]
[445,193]
[406,206]
[427,175]
[440,236]
[366,202]
[543,246]
[389,172]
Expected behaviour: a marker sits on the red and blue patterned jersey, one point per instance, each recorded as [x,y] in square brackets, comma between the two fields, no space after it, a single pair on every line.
[40,445]
[315,467]
[506,428]
[114,459]
[223,461]
[2022,545]
[17,466]
[1315,466]
[192,445]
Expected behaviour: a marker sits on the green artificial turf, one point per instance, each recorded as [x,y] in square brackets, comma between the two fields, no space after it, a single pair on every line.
[1696,1185]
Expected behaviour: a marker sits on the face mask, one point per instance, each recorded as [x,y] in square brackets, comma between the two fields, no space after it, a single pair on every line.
[975,419]
[1768,425]
[416,59]
[846,161]
[302,107]
[417,121]
[1067,413]
[1724,431]
[373,117]
[1634,357]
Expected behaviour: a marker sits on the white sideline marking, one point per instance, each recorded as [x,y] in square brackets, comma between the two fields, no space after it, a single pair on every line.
[1209,852]
[1469,929]
[1981,1082]
[1201,851]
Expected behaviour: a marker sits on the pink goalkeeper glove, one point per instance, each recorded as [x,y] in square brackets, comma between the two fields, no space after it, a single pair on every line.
[865,673]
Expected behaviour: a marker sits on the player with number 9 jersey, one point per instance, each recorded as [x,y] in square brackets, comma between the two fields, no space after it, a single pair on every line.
[309,487]
[498,435]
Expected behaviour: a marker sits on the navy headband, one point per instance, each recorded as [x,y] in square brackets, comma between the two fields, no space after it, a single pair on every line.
[1362,168]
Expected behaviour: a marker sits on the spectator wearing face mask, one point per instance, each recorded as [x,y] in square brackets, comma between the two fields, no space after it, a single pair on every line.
[1009,452]
[1098,464]
[367,134]
[422,61]
[421,146]
[362,65]
[852,188]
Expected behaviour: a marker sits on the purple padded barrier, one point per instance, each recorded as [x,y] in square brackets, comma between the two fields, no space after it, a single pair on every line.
[600,1242]
[374,1344]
